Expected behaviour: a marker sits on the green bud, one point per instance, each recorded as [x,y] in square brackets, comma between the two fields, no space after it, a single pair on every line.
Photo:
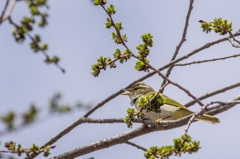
[141,66]
[147,39]
[34,10]
[111,9]
[53,59]
[108,24]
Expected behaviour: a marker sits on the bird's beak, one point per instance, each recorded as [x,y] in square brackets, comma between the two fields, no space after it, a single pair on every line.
[126,93]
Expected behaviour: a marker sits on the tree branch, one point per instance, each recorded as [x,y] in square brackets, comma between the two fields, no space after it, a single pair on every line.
[108,142]
[232,39]
[181,41]
[3,12]
[87,120]
[221,90]
[233,44]
[209,60]
[204,108]
[135,145]
[177,85]
[119,139]
[217,109]
[33,40]
[9,11]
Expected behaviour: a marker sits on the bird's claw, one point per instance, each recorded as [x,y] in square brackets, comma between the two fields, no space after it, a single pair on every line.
[158,120]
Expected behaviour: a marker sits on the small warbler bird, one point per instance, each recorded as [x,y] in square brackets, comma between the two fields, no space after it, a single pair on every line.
[170,110]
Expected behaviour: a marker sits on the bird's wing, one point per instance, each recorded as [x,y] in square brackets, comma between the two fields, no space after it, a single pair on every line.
[172,102]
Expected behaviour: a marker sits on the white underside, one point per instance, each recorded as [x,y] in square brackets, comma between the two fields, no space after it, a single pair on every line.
[167,111]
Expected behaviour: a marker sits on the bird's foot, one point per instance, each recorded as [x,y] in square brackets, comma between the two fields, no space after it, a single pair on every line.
[158,120]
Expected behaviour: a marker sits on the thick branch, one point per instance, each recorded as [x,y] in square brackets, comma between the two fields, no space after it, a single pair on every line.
[119,139]
[108,142]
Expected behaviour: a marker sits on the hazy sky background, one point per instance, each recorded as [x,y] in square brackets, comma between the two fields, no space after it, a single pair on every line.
[77,35]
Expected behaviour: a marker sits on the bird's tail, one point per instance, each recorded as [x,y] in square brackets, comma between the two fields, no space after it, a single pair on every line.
[208,118]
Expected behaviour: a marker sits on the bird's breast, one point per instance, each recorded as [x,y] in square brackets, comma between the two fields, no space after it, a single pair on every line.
[166,111]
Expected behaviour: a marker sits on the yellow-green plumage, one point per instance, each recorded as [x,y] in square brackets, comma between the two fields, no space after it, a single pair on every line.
[171,110]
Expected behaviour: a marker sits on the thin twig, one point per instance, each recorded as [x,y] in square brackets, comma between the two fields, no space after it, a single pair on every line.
[232,36]
[181,41]
[46,55]
[204,108]
[209,60]
[217,109]
[155,96]
[26,150]
[221,90]
[4,10]
[233,44]
[39,119]
[135,145]
[9,11]
[113,24]
[33,40]
[177,85]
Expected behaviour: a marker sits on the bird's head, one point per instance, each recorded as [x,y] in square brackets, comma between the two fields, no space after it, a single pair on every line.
[137,90]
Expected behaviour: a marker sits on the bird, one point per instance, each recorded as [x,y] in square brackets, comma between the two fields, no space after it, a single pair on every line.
[170,110]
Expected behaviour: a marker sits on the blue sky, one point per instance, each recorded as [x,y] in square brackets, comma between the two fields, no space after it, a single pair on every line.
[77,35]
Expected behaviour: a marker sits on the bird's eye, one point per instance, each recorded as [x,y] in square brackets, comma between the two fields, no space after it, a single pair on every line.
[135,88]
